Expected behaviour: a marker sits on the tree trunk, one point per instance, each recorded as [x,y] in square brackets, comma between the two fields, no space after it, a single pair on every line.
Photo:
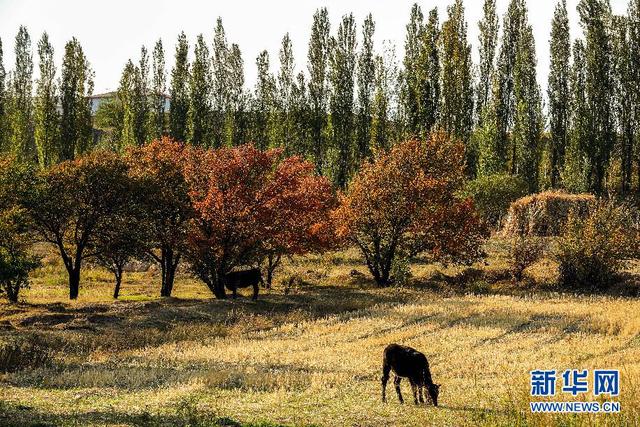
[218,286]
[118,274]
[74,282]
[272,263]
[169,264]
[12,292]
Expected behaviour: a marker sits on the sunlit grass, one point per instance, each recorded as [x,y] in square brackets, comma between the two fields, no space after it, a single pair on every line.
[313,356]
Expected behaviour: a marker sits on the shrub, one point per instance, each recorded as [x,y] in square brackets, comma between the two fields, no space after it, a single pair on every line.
[524,252]
[16,261]
[546,214]
[492,195]
[593,249]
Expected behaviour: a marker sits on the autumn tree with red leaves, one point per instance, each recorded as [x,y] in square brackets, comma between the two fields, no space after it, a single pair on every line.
[251,204]
[159,168]
[405,202]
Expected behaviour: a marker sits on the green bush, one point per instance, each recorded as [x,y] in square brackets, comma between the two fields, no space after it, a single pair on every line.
[594,249]
[493,194]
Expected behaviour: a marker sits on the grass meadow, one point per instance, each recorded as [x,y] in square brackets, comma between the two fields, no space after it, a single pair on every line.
[310,354]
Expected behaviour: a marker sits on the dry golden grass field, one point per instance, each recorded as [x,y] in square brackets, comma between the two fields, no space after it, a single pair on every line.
[310,354]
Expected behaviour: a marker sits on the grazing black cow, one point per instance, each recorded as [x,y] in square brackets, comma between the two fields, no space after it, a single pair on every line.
[407,362]
[244,279]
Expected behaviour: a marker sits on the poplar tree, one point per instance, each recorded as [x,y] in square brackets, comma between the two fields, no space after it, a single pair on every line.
[141,99]
[76,86]
[595,18]
[21,118]
[625,88]
[575,168]
[558,89]
[456,106]
[263,101]
[634,60]
[238,98]
[342,68]
[384,98]
[300,115]
[221,123]
[428,86]
[126,97]
[200,95]
[318,60]
[366,84]
[410,74]
[3,103]
[528,123]
[159,89]
[284,130]
[46,106]
[504,95]
[487,43]
[179,109]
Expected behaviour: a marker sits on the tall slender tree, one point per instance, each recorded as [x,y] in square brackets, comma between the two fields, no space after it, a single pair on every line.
[595,16]
[318,60]
[238,98]
[366,84]
[142,119]
[263,101]
[487,44]
[625,86]
[47,129]
[221,122]
[200,95]
[342,69]
[384,99]
[21,120]
[126,97]
[528,122]
[456,106]
[505,104]
[159,83]
[634,60]
[179,109]
[286,80]
[410,74]
[575,169]
[3,104]
[558,89]
[76,86]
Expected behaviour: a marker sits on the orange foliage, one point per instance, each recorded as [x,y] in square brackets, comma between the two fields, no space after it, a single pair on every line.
[250,204]
[405,203]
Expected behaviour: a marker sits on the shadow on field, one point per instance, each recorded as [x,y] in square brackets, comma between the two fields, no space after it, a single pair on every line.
[12,415]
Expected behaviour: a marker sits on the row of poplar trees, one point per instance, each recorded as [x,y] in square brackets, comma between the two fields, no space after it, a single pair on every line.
[352,100]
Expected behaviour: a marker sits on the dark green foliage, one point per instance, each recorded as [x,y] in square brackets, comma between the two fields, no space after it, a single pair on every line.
[318,64]
[200,95]
[76,86]
[366,84]
[558,89]
[487,44]
[492,195]
[179,110]
[47,128]
[159,83]
[595,18]
[21,102]
[341,76]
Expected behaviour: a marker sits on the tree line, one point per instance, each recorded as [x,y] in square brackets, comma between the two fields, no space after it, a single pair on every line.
[351,100]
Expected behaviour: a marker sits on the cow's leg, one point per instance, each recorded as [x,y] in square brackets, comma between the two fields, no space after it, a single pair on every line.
[235,292]
[414,390]
[385,377]
[255,291]
[421,392]
[396,382]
